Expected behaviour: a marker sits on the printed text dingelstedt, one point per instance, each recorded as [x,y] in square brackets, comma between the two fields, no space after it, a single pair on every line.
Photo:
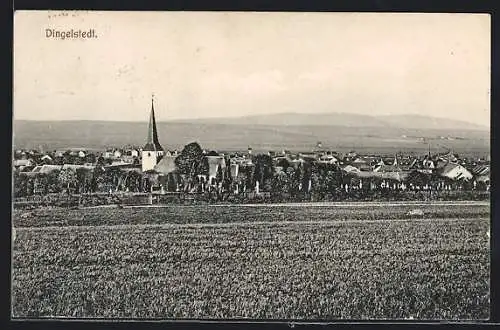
[70,34]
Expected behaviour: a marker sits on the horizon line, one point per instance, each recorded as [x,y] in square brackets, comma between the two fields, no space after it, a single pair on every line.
[173,120]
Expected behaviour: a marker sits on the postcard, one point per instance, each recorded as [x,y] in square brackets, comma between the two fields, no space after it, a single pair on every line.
[250,166]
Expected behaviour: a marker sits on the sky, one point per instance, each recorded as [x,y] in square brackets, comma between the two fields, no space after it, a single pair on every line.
[226,64]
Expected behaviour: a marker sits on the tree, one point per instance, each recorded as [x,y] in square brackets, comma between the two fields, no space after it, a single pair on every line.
[20,182]
[219,176]
[263,169]
[90,158]
[133,181]
[316,184]
[251,177]
[40,183]
[190,156]
[243,178]
[295,179]
[332,181]
[67,158]
[203,167]
[78,160]
[84,179]
[52,182]
[67,178]
[305,175]
[30,186]
[58,160]
[283,163]
[97,178]
[113,177]
[280,184]
[228,178]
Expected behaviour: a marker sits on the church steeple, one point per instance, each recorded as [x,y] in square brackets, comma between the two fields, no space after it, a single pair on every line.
[152,143]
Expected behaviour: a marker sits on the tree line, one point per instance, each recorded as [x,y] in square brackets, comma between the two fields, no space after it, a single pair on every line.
[294,181]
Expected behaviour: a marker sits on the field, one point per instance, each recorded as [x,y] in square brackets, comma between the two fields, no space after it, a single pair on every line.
[262,138]
[332,261]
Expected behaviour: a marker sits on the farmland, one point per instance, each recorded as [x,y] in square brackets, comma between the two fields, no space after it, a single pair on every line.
[283,262]
[343,138]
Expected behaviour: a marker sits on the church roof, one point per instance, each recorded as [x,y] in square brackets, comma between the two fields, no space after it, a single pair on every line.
[166,165]
[152,143]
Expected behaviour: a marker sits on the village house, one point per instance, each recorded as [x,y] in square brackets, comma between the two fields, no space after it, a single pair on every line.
[455,172]
[17,163]
[388,165]
[47,159]
[297,162]
[328,159]
[351,169]
[308,156]
[172,153]
[59,153]
[427,164]
[360,163]
[46,169]
[108,153]
[130,152]
[241,160]
[447,157]
[481,174]
[76,167]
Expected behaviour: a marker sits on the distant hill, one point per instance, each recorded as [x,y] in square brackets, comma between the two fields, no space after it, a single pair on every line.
[426,122]
[344,120]
[230,136]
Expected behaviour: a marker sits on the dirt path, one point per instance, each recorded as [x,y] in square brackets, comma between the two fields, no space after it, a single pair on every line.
[326,204]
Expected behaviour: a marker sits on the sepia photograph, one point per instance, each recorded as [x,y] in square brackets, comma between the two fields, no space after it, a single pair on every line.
[314,166]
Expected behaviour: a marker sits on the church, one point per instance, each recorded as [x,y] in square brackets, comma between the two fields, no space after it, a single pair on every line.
[152,152]
[158,167]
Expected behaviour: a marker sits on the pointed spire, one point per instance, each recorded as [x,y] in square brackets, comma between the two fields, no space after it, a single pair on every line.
[152,143]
